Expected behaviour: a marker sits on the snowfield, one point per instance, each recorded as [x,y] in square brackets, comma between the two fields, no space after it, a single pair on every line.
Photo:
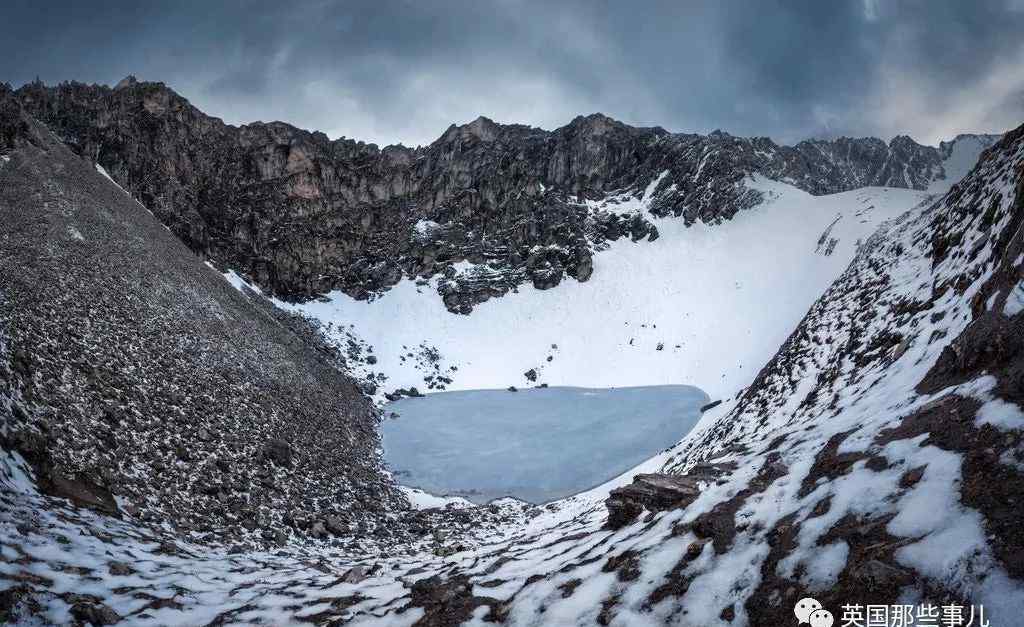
[705,305]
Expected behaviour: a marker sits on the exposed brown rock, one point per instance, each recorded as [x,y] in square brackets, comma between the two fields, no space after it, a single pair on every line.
[654,492]
[447,601]
[829,463]
[992,343]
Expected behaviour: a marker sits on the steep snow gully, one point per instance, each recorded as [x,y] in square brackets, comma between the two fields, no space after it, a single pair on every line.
[875,460]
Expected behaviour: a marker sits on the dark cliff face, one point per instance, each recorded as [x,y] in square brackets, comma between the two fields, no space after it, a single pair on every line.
[827,167]
[302,215]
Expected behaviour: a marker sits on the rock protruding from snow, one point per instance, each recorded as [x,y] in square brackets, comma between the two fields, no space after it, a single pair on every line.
[651,492]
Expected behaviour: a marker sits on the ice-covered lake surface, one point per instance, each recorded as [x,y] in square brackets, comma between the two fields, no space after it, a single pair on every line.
[537,444]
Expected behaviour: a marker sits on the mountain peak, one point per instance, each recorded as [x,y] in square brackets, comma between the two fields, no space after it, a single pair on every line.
[594,119]
[595,124]
[482,128]
[127,81]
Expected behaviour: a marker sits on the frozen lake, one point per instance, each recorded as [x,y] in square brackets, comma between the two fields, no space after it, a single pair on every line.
[538,444]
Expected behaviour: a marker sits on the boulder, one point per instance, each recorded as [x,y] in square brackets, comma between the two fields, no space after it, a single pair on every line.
[280,537]
[92,612]
[336,525]
[653,492]
[356,574]
[711,405]
[81,491]
[279,452]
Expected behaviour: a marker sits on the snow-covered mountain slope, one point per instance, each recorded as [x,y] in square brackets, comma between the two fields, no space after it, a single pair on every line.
[701,304]
[959,156]
[879,453]
[705,305]
[878,459]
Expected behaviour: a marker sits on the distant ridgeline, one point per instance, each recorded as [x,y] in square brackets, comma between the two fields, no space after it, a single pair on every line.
[301,215]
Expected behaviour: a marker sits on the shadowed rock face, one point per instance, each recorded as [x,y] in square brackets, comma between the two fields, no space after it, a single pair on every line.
[301,214]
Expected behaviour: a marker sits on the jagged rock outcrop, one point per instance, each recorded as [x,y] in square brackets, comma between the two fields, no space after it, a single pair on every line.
[653,492]
[301,214]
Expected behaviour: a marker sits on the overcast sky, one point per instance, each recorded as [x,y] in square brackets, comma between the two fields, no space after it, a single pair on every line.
[402,71]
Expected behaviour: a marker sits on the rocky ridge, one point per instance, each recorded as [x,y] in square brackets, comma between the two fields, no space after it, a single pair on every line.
[301,215]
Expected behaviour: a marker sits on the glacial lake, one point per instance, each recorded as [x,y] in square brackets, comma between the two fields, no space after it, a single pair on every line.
[537,444]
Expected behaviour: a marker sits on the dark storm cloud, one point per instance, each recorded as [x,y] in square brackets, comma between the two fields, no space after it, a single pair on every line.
[403,71]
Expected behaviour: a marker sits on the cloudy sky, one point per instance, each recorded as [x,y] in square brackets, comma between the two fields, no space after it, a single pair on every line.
[402,71]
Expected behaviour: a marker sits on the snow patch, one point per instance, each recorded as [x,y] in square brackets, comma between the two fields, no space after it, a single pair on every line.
[1000,414]
[1015,301]
[104,172]
[425,227]
[963,156]
[626,203]
[716,314]
[425,500]
[240,283]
